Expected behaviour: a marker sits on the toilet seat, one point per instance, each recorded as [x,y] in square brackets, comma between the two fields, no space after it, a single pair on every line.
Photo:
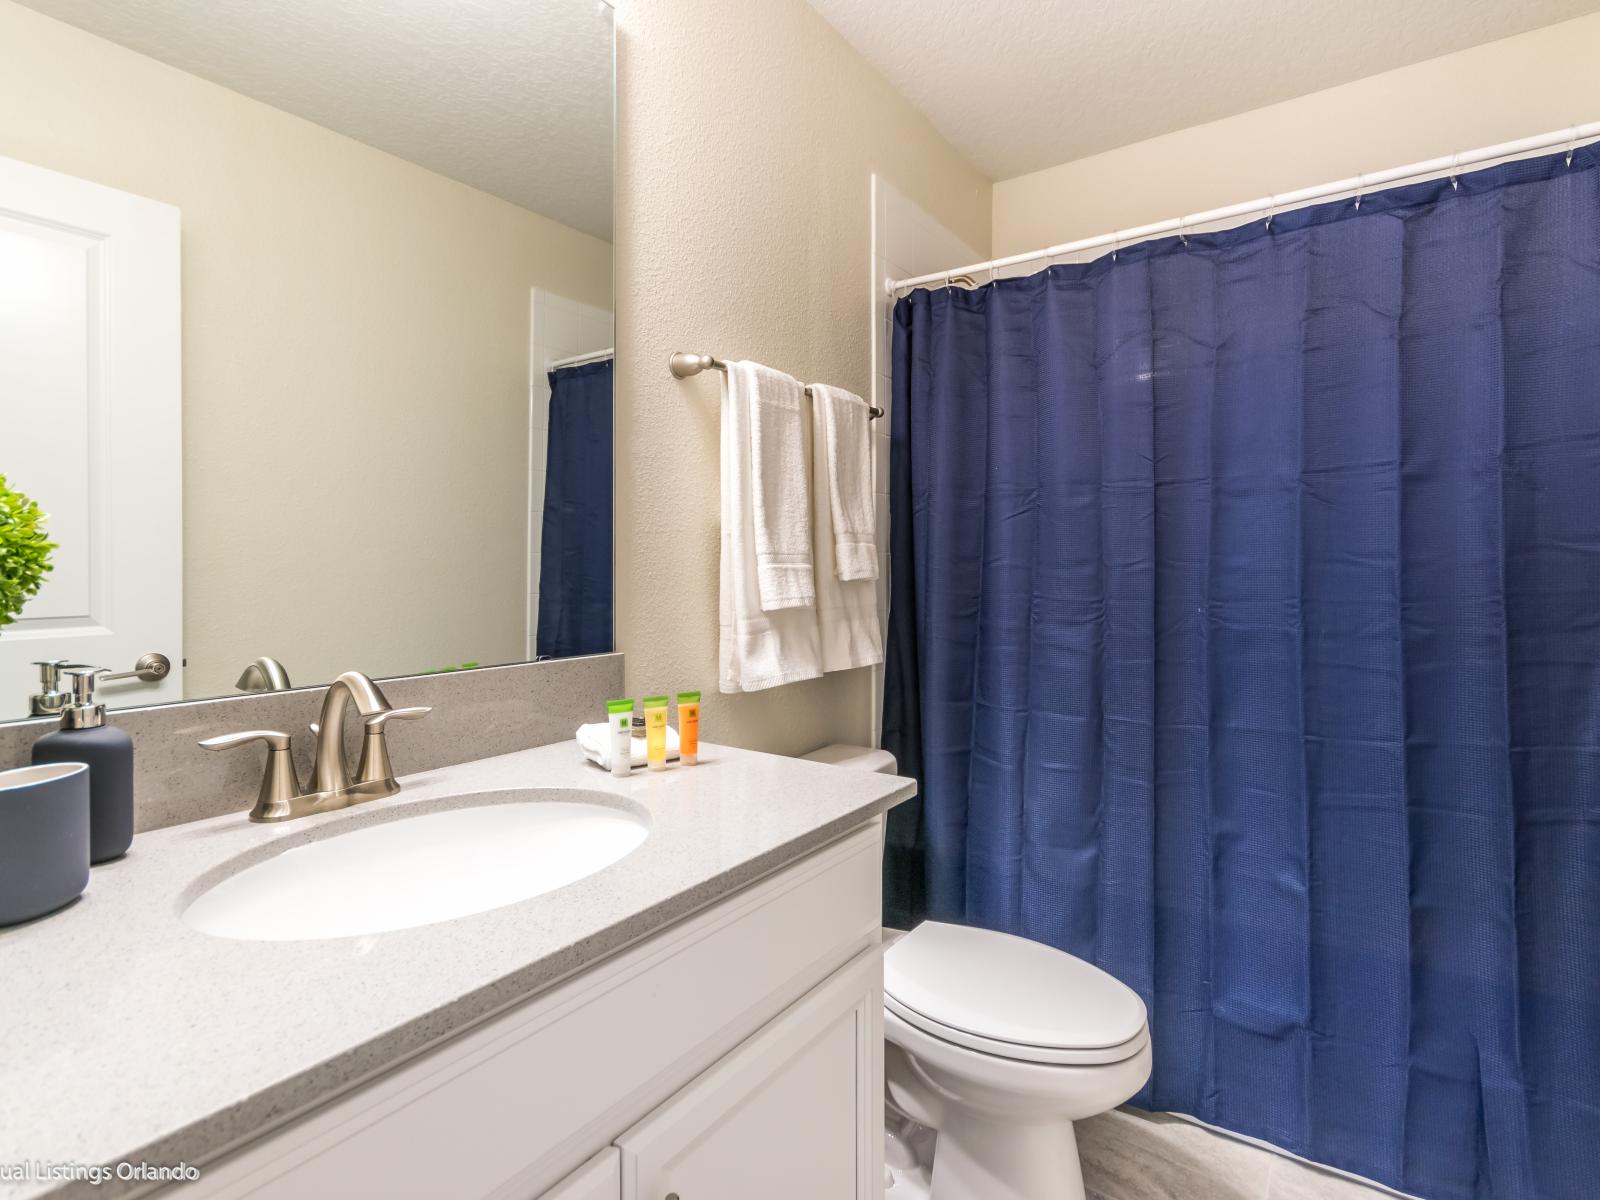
[1020,1051]
[1011,998]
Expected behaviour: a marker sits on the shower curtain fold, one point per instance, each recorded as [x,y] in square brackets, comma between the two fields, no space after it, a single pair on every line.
[1245,639]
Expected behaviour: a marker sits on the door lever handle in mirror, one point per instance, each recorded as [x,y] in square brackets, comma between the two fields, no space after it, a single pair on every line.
[149,668]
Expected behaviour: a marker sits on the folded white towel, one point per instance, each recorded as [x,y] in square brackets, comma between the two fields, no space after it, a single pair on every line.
[757,649]
[847,609]
[595,742]
[843,427]
[779,486]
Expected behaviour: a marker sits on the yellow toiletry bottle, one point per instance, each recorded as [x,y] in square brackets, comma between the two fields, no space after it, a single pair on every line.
[655,732]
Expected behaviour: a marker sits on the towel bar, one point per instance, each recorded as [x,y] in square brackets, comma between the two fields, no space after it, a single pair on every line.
[682,365]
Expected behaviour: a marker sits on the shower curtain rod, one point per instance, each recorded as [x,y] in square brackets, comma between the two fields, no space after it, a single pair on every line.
[1360,184]
[578,360]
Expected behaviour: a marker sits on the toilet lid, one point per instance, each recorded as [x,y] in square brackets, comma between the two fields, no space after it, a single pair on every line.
[1006,994]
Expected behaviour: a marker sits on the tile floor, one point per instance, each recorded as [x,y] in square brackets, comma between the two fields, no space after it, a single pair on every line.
[1130,1155]
[1133,1155]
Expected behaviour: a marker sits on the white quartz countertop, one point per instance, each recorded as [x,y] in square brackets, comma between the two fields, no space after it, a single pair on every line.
[125,1035]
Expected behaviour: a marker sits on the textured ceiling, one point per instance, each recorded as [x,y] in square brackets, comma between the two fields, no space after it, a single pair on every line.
[510,96]
[1019,85]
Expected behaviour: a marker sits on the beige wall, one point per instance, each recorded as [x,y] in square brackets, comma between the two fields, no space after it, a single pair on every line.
[355,363]
[1514,88]
[748,134]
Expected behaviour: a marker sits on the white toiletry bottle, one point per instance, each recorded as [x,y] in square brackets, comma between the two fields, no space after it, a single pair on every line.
[619,720]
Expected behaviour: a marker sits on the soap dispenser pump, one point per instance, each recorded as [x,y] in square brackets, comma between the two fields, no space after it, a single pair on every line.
[85,737]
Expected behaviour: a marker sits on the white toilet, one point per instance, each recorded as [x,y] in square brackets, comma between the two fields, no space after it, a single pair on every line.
[1000,1044]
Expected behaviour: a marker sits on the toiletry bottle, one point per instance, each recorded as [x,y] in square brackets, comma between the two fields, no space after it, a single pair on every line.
[619,718]
[655,732]
[85,737]
[689,727]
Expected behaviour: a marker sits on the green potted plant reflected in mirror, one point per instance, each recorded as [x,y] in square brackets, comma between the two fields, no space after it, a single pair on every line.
[24,552]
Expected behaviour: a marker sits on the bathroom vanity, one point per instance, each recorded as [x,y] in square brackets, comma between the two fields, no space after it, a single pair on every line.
[701,1017]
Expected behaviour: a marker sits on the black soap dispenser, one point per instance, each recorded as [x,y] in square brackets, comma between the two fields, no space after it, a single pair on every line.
[85,737]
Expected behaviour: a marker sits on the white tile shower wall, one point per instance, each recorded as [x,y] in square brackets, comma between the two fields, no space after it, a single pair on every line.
[906,241]
[559,328]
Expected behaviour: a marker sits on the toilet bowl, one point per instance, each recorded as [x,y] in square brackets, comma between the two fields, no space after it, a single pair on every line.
[999,1044]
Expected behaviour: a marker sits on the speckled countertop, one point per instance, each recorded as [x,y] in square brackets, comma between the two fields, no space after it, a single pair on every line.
[127,1036]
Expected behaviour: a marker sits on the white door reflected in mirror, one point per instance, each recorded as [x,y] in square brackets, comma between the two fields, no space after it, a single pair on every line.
[90,402]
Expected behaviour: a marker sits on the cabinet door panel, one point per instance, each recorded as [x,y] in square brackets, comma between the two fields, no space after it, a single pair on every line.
[598,1179]
[792,1114]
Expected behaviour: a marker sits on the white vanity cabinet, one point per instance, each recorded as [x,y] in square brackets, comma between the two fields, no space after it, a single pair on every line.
[737,1053]
[786,1116]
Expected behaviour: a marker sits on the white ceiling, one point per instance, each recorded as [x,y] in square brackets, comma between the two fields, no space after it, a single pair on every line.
[1019,85]
[510,96]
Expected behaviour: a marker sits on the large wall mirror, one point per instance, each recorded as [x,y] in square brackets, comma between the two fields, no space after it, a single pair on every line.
[305,341]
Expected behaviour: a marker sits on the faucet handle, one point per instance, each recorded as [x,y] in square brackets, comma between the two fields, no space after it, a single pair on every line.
[227,741]
[280,785]
[379,720]
[375,766]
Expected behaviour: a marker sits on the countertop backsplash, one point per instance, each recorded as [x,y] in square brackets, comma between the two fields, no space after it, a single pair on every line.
[476,714]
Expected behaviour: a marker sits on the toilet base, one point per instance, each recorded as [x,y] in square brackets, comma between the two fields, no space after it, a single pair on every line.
[980,1161]
[1004,1126]
[983,1160]
[908,1150]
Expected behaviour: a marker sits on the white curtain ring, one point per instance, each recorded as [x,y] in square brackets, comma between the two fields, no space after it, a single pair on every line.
[1182,237]
[1272,211]
[1455,170]
[1361,187]
[1572,144]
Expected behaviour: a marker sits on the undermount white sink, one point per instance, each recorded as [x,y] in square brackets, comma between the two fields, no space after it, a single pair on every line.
[482,853]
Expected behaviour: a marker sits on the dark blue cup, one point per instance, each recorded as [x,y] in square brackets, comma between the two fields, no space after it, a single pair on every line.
[44,839]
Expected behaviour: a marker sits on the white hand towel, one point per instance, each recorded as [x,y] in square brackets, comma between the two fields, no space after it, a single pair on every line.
[847,610]
[757,649]
[779,487]
[843,426]
[595,742]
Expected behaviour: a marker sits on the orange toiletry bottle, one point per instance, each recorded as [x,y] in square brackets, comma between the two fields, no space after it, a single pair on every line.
[689,727]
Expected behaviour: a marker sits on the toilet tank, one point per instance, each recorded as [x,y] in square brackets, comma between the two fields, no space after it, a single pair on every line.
[862,758]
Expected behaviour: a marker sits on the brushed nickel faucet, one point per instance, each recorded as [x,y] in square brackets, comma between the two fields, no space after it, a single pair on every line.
[281,798]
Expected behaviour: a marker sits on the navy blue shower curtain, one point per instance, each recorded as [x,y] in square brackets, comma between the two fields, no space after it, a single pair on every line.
[575,546]
[1246,641]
